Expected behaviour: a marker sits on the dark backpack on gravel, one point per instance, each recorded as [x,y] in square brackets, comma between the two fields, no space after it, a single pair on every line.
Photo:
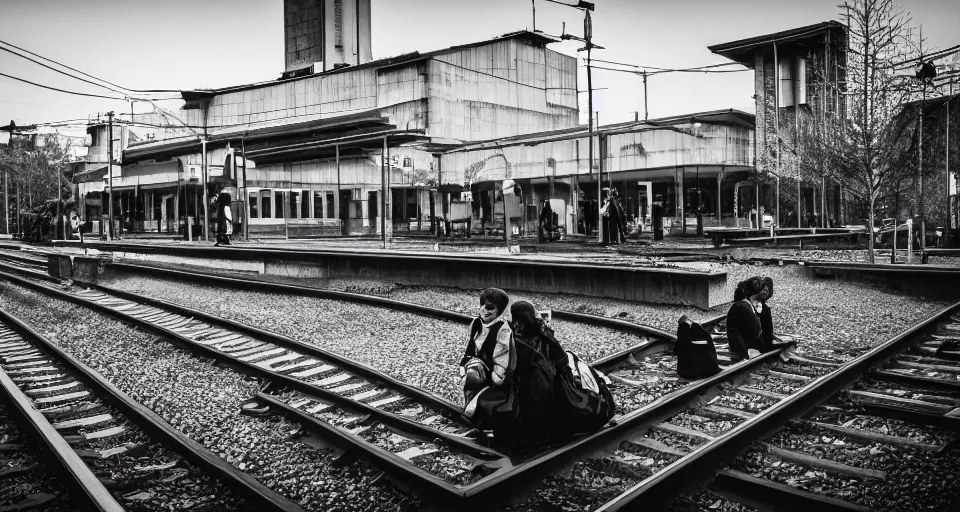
[696,354]
[949,350]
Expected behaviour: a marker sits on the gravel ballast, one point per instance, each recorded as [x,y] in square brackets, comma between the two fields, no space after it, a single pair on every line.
[421,351]
[833,319]
[202,401]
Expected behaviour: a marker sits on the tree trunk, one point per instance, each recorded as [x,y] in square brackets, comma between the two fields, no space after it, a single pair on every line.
[870,217]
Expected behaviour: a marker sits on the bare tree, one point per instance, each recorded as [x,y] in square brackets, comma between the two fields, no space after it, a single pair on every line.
[870,147]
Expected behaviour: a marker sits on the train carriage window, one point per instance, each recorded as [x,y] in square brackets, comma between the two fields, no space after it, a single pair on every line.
[330,206]
[305,205]
[317,205]
[265,197]
[278,205]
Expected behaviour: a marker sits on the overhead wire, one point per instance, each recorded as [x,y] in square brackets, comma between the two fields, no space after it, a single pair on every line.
[89,75]
[63,90]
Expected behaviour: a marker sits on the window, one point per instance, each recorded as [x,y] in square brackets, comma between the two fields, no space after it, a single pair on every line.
[786,83]
[330,206]
[305,205]
[793,81]
[278,204]
[372,203]
[407,162]
[254,206]
[294,198]
[265,210]
[317,205]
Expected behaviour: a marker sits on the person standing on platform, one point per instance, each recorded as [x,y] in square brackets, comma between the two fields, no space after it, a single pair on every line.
[224,220]
[658,218]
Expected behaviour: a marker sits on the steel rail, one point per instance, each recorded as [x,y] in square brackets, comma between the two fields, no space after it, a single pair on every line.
[346,363]
[153,424]
[701,464]
[80,477]
[398,422]
[373,300]
[521,476]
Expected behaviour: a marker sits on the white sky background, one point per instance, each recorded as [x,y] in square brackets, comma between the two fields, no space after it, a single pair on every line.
[185,44]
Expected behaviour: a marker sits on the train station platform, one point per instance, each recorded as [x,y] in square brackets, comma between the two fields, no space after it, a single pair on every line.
[695,285]
[929,281]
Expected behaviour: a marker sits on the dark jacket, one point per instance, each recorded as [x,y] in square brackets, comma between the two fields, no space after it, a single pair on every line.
[766,327]
[743,328]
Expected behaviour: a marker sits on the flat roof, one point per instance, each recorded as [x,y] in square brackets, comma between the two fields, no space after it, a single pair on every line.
[406,58]
[727,116]
[742,50]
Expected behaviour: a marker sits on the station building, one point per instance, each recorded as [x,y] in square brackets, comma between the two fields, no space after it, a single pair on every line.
[799,85]
[701,160]
[325,141]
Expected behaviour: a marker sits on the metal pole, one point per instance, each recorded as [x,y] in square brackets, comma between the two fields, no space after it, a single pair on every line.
[383,192]
[338,199]
[946,153]
[243,193]
[206,200]
[534,4]
[286,205]
[109,175]
[6,185]
[646,111]
[589,38]
[923,220]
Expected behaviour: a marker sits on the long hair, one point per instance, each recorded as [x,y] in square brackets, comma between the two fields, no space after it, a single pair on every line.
[748,288]
[526,320]
[495,296]
[767,282]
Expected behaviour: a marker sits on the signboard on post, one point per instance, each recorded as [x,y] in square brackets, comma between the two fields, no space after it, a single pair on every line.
[466,197]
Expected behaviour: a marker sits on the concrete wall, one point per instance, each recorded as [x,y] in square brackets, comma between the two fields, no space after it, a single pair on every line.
[650,285]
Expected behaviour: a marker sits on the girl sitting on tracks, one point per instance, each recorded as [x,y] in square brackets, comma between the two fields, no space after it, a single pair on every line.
[559,394]
[487,368]
[744,331]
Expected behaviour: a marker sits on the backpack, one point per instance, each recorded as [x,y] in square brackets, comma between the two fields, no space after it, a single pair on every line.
[949,350]
[583,398]
[695,360]
[535,376]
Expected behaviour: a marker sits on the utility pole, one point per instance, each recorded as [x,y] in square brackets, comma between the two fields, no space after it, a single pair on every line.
[206,200]
[534,4]
[646,111]
[110,233]
[6,184]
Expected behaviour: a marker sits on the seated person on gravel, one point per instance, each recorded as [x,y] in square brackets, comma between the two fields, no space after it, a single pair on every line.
[487,368]
[559,394]
[743,321]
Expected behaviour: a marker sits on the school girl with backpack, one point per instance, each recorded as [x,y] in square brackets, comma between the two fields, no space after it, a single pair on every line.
[560,395]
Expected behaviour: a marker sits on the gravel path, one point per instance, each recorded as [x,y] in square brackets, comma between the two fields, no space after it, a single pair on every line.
[422,351]
[202,401]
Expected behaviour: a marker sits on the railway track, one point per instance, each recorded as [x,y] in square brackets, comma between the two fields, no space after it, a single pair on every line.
[660,445]
[420,440]
[901,379]
[119,451]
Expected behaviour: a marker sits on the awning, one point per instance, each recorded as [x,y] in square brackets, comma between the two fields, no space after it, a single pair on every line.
[92,175]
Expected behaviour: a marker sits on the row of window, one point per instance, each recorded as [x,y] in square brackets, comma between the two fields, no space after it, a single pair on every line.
[267,204]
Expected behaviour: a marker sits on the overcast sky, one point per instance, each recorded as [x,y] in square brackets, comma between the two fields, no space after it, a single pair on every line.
[184,44]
